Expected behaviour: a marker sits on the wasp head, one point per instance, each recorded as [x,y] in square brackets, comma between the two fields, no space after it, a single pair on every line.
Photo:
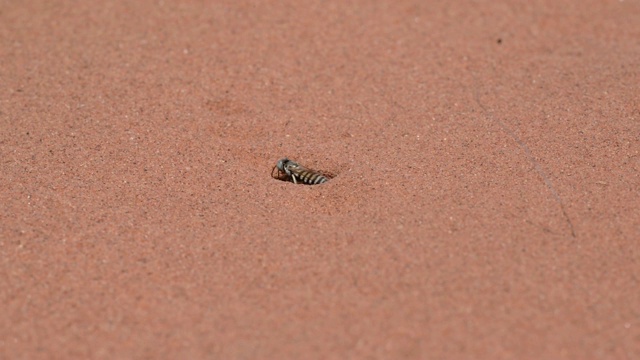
[282,163]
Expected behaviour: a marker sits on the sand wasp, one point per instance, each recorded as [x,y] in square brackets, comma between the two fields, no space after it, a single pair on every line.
[298,173]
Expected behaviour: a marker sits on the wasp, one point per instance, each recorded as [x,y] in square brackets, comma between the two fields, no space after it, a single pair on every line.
[298,173]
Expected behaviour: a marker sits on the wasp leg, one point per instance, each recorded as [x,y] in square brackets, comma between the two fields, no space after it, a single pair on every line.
[293,176]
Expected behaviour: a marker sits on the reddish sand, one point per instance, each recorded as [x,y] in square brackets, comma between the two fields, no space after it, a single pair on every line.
[485,205]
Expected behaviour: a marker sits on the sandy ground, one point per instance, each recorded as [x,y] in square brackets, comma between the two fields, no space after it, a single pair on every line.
[485,205]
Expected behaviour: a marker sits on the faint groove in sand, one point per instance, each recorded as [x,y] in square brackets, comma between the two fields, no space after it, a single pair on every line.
[530,158]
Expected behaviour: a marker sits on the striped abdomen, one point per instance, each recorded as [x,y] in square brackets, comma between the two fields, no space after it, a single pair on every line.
[307,176]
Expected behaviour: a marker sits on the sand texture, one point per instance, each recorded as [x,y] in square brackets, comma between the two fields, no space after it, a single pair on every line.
[485,203]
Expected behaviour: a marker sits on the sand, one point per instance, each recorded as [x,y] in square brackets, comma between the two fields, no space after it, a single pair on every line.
[485,203]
